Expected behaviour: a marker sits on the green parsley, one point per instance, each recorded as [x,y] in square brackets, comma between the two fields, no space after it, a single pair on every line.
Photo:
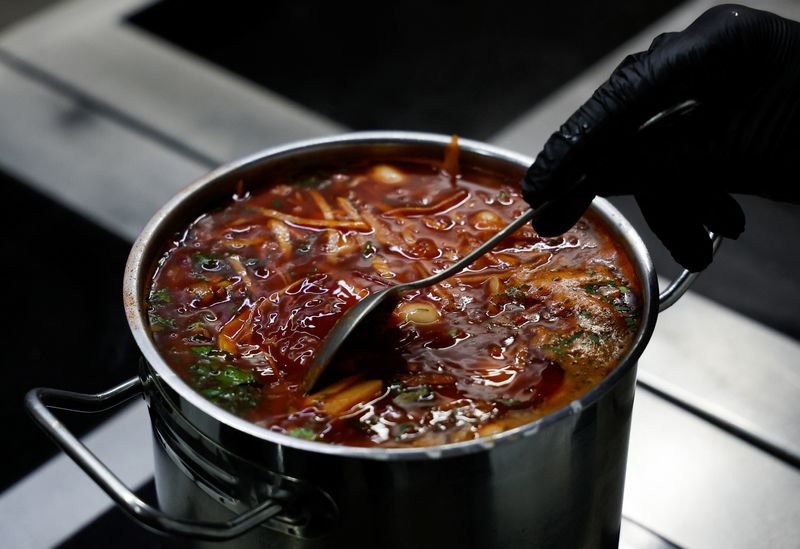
[226,386]
[158,322]
[313,180]
[202,350]
[303,432]
[206,262]
[414,395]
[517,293]
[161,296]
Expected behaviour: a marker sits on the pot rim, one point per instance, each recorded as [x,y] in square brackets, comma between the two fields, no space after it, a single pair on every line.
[136,279]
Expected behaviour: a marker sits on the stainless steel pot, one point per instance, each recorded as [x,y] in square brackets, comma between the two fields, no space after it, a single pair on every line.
[556,482]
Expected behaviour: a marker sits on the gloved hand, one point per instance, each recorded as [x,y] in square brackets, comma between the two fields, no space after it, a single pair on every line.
[743,67]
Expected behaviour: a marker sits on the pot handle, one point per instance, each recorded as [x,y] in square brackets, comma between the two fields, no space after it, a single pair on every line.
[38,401]
[678,287]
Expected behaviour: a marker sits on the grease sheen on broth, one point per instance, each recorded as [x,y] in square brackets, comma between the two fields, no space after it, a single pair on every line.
[242,298]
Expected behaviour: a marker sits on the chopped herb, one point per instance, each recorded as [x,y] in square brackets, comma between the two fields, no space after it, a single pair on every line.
[231,376]
[277,203]
[516,292]
[594,338]
[561,344]
[313,180]
[226,386]
[401,430]
[594,287]
[453,332]
[202,350]
[510,401]
[369,250]
[234,399]
[502,196]
[396,385]
[630,322]
[623,290]
[201,371]
[206,262]
[158,322]
[622,308]
[161,296]
[585,314]
[303,432]
[414,395]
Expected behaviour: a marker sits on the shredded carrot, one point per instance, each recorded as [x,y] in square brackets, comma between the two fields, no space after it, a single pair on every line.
[281,234]
[322,204]
[275,296]
[348,207]
[382,233]
[351,396]
[508,258]
[310,222]
[443,205]
[437,289]
[237,328]
[450,164]
[240,269]
[473,278]
[332,389]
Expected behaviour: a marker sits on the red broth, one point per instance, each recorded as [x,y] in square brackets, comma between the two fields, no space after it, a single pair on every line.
[241,301]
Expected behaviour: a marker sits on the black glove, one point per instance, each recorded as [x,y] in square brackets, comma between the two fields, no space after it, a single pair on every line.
[743,68]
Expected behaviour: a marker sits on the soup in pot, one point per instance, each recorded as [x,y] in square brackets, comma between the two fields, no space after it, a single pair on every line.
[241,300]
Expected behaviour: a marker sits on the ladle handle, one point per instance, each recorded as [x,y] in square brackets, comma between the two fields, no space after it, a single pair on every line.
[680,285]
[39,401]
[528,216]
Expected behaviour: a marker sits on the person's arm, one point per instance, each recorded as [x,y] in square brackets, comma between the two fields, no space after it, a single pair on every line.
[743,68]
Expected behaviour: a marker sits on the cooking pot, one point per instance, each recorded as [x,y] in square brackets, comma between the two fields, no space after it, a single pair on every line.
[555,482]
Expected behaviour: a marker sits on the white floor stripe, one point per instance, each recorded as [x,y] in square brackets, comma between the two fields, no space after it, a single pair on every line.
[58,499]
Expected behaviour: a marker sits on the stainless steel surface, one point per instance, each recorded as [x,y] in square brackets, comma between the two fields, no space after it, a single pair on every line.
[704,486]
[675,290]
[523,482]
[209,112]
[368,306]
[39,400]
[533,491]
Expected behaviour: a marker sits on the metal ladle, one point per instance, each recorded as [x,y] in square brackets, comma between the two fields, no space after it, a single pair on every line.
[347,324]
